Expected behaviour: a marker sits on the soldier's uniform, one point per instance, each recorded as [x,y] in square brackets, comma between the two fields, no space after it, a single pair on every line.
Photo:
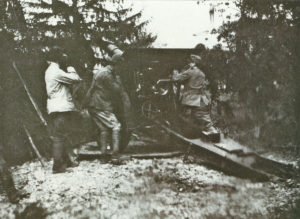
[61,108]
[7,180]
[196,98]
[105,97]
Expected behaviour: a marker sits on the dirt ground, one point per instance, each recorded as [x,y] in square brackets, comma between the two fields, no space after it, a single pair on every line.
[156,188]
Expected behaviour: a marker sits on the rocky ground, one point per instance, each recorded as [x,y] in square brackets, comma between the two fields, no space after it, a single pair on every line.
[156,188]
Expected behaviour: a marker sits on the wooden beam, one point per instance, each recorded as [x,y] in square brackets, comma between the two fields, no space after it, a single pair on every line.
[38,111]
[36,151]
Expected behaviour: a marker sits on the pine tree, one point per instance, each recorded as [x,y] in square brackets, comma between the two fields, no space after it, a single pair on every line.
[12,31]
[79,25]
[5,36]
[264,65]
[59,23]
[12,25]
[124,27]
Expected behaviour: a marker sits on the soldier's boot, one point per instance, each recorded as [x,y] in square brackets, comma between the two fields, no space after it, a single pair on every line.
[116,139]
[9,186]
[213,134]
[69,161]
[98,139]
[59,165]
[125,136]
[117,158]
[103,141]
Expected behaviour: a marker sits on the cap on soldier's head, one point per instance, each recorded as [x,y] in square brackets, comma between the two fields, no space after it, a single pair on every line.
[200,48]
[117,54]
[195,58]
[114,49]
[114,59]
[118,57]
[55,54]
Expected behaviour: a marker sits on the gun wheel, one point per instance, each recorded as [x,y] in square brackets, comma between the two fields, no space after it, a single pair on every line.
[150,110]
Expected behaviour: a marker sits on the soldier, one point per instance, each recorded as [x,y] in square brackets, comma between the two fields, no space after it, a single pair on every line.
[196,98]
[104,99]
[60,106]
[7,181]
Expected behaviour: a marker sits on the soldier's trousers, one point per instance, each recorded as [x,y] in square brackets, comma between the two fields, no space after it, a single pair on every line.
[108,125]
[61,124]
[6,178]
[200,116]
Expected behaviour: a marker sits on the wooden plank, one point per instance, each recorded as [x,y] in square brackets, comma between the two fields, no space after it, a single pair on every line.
[157,155]
[231,143]
[240,157]
[229,147]
[98,154]
[242,163]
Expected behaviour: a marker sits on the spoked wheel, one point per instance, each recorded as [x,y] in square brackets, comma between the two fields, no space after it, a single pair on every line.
[150,110]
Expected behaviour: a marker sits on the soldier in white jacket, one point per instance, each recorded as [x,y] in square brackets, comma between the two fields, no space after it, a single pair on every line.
[60,106]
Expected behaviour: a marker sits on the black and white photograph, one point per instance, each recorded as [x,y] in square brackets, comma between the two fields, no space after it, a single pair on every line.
[150,109]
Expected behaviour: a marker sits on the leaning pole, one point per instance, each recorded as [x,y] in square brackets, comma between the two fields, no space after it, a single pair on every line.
[37,110]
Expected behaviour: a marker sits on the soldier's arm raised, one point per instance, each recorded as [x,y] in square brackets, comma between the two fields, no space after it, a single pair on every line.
[180,77]
[67,78]
[116,90]
[87,97]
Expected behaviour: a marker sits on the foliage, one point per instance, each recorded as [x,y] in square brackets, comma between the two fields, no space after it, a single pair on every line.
[27,27]
[262,70]
[81,25]
[12,26]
